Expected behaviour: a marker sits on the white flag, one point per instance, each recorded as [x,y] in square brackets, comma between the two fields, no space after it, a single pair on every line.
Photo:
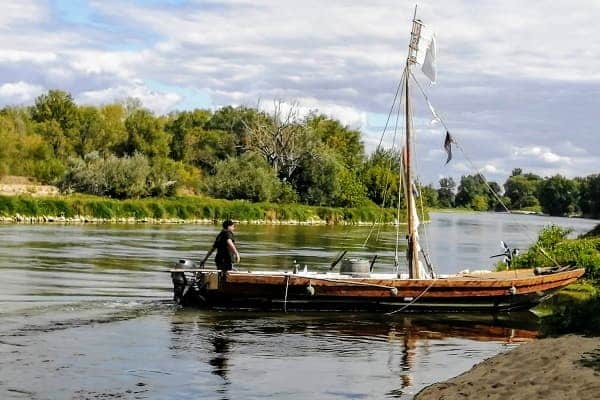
[426,54]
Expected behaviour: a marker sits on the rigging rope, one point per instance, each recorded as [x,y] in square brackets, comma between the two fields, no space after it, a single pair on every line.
[478,173]
[388,183]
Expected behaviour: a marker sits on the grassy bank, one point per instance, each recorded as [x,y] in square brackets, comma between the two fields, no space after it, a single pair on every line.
[184,208]
[577,307]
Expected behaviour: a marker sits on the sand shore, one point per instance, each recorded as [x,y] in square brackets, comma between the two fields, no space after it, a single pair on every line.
[566,367]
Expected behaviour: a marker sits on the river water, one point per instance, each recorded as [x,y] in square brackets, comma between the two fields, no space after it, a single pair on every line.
[86,313]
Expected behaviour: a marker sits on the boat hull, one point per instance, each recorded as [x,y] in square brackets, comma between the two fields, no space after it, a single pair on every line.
[493,292]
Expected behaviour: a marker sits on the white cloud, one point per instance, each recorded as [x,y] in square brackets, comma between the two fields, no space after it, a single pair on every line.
[19,92]
[15,12]
[18,56]
[540,153]
[159,102]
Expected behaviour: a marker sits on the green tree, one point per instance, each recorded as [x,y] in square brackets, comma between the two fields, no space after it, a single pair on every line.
[343,141]
[179,127]
[589,198]
[113,133]
[90,131]
[429,196]
[473,189]
[53,134]
[194,144]
[234,120]
[56,105]
[558,195]
[470,186]
[446,192]
[58,120]
[521,189]
[324,180]
[145,135]
[246,177]
[381,177]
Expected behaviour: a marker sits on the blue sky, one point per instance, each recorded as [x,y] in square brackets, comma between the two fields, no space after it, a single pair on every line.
[518,82]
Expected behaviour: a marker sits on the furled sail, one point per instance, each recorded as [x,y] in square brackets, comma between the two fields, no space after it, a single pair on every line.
[427,53]
[414,247]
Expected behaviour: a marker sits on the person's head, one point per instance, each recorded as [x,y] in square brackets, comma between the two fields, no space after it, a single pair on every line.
[228,225]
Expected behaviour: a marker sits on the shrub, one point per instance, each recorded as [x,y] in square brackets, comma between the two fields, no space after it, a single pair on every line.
[112,176]
[552,244]
[248,177]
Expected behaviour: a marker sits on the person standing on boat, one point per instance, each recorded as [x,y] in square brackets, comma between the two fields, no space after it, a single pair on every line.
[225,246]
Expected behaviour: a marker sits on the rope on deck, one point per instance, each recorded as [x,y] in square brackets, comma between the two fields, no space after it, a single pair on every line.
[413,300]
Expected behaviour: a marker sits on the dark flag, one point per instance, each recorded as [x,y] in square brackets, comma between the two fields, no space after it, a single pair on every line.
[448,146]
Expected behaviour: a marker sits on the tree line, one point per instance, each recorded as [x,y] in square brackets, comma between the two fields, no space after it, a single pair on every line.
[123,150]
[555,195]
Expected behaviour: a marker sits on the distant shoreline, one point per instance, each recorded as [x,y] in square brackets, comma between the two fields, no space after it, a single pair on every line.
[20,219]
[82,209]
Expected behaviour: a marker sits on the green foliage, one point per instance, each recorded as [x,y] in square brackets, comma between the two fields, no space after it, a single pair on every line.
[558,196]
[589,195]
[145,135]
[343,141]
[446,196]
[474,193]
[381,177]
[316,160]
[235,121]
[164,177]
[111,176]
[183,208]
[58,106]
[521,189]
[479,202]
[179,126]
[573,311]
[247,177]
[553,245]
[429,196]
[324,180]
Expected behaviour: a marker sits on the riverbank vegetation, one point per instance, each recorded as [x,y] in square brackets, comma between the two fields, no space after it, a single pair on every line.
[124,151]
[576,308]
[76,207]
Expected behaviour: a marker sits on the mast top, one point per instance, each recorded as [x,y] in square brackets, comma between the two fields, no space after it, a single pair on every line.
[413,45]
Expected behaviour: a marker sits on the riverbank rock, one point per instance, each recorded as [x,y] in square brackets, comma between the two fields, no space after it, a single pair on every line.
[567,367]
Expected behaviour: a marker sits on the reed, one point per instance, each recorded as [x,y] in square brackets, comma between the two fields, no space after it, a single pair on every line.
[186,208]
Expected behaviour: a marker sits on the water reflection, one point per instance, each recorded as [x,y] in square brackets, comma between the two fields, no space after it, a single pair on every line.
[338,355]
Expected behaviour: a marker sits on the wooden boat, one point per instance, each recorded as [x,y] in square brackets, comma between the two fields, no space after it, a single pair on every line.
[493,291]
[355,287]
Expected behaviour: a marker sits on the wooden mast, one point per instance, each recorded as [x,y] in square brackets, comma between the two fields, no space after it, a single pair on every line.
[412,253]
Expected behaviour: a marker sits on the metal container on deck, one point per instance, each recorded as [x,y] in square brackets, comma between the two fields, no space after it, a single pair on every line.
[185,264]
[356,267]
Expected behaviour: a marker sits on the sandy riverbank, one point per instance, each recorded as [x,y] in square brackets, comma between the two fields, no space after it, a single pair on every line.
[567,367]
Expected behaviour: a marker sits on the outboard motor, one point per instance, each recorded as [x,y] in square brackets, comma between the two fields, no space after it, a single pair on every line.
[180,283]
[185,264]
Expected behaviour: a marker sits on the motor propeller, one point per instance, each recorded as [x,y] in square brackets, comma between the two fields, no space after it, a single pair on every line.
[508,254]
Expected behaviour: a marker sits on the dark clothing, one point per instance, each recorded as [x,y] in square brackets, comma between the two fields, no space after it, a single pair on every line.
[223,257]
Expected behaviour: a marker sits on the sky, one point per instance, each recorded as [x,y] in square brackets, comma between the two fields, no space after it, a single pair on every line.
[518,82]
